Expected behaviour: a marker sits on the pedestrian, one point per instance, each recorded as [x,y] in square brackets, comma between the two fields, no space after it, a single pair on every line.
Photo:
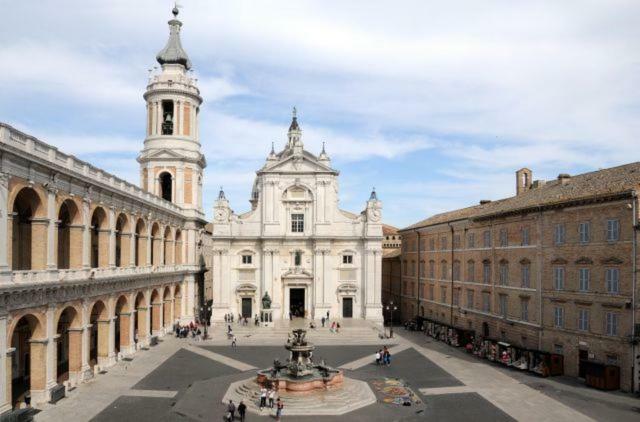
[387,357]
[378,357]
[333,327]
[272,396]
[337,327]
[322,321]
[263,397]
[279,408]
[242,409]
[231,408]
[233,342]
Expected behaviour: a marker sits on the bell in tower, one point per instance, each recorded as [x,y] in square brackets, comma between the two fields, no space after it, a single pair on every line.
[171,163]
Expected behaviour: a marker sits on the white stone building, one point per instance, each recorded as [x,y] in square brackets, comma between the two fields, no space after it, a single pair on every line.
[296,244]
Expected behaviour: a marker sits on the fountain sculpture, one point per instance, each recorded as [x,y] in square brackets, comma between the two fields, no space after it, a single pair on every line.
[300,374]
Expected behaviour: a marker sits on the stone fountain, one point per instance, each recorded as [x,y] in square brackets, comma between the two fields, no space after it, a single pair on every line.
[300,374]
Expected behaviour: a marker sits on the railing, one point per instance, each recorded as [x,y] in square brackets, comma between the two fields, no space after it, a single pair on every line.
[79,274]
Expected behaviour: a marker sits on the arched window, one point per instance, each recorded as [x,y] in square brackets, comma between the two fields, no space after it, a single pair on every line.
[166,186]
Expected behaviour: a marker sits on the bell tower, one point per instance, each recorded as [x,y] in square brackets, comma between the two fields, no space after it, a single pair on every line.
[171,163]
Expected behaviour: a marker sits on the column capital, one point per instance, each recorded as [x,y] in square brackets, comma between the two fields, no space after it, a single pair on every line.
[4,180]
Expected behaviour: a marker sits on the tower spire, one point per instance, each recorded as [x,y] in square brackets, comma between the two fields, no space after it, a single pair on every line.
[173,53]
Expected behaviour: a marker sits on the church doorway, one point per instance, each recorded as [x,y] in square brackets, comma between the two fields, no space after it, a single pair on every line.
[296,302]
[347,307]
[246,307]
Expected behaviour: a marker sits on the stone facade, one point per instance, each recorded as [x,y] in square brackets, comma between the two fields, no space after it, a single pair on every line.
[552,268]
[296,244]
[92,267]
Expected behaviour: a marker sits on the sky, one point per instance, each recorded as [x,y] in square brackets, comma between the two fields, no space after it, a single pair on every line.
[435,104]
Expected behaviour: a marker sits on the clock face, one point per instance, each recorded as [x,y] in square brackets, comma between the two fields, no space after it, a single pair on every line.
[221,214]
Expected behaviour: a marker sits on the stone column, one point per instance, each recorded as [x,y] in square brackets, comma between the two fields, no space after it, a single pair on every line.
[52,232]
[5,357]
[75,246]
[188,298]
[38,360]
[39,236]
[111,352]
[143,326]
[112,237]
[4,235]
[86,238]
[131,331]
[327,281]
[149,243]
[166,314]
[85,369]
[52,349]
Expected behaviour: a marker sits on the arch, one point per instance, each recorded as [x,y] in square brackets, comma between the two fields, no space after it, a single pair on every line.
[156,241]
[99,336]
[69,233]
[99,238]
[140,323]
[165,181]
[140,244]
[27,231]
[289,193]
[69,343]
[123,324]
[155,308]
[168,247]
[26,368]
[177,302]
[177,255]
[122,246]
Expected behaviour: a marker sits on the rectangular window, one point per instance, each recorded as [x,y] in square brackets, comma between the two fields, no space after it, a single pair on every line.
[413,268]
[504,237]
[456,270]
[525,236]
[297,223]
[432,244]
[558,313]
[524,309]
[612,280]
[456,241]
[246,259]
[456,297]
[347,259]
[584,232]
[471,271]
[470,297]
[612,360]
[422,269]
[431,295]
[584,276]
[486,302]
[526,275]
[443,243]
[443,270]
[504,274]
[486,236]
[560,234]
[558,278]
[612,324]
[503,306]
[471,240]
[432,269]
[613,230]
[443,294]
[486,272]
[297,259]
[583,319]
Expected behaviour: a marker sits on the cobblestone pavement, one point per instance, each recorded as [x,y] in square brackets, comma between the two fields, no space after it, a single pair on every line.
[180,380]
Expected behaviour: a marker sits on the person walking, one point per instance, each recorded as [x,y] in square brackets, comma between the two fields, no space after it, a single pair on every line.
[387,357]
[279,409]
[272,396]
[338,327]
[322,320]
[242,409]
[263,398]
[233,342]
[378,356]
[231,408]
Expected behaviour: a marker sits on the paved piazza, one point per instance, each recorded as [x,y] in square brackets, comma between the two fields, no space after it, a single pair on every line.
[183,380]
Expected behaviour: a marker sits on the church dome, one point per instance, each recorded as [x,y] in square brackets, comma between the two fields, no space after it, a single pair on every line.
[173,53]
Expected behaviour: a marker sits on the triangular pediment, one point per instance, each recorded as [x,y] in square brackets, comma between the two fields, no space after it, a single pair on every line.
[297,164]
[164,153]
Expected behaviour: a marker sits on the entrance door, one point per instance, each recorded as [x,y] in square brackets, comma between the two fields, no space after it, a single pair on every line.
[296,302]
[347,307]
[583,356]
[246,307]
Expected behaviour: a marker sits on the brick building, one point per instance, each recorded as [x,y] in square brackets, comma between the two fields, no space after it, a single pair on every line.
[552,268]
[391,271]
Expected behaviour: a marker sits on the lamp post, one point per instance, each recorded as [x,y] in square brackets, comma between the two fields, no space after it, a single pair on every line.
[391,308]
[205,313]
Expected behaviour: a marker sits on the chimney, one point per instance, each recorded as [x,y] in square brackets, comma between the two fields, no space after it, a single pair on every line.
[485,201]
[563,178]
[524,177]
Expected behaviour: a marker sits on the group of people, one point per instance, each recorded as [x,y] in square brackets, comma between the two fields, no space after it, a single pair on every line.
[242,408]
[184,331]
[383,357]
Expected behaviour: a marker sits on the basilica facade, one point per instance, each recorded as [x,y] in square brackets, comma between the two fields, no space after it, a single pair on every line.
[296,248]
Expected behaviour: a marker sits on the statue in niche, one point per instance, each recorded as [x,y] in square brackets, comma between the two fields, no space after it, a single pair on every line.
[266,301]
